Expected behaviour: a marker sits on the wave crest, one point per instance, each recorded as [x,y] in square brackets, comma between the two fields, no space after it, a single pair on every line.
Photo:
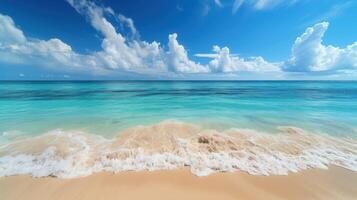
[172,145]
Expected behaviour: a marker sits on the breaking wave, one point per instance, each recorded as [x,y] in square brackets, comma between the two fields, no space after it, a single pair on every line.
[173,145]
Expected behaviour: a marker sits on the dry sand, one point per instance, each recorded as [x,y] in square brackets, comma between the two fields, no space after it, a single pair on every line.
[335,183]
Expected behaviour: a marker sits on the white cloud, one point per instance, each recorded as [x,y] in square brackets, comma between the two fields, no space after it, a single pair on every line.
[136,55]
[265,4]
[9,33]
[15,48]
[309,54]
[130,24]
[260,4]
[225,62]
[118,52]
[178,59]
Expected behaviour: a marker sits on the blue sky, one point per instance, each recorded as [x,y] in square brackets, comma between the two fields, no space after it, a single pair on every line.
[178,39]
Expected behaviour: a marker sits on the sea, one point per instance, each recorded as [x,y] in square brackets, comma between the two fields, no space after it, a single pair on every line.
[69,129]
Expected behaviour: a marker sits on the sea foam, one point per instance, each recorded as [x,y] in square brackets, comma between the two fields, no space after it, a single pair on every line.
[174,145]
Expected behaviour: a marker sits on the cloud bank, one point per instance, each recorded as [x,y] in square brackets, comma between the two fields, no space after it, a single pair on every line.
[118,52]
[308,54]
[224,62]
[16,48]
[128,53]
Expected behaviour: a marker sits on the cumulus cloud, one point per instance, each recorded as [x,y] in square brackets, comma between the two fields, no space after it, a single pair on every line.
[9,33]
[309,54]
[16,48]
[178,59]
[260,4]
[225,62]
[134,55]
[130,24]
[123,53]
[119,53]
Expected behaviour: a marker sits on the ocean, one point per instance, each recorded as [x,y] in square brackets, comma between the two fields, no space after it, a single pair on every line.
[75,128]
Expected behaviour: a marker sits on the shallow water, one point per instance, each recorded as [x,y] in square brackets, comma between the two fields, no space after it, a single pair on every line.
[106,108]
[48,113]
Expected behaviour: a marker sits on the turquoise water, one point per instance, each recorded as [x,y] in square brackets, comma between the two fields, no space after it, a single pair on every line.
[260,127]
[108,107]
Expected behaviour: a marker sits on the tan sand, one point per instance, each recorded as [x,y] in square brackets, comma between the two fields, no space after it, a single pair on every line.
[335,183]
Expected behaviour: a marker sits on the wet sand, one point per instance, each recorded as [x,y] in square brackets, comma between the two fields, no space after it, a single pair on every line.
[334,183]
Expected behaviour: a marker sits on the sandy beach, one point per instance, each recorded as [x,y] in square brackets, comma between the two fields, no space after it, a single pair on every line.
[178,100]
[334,183]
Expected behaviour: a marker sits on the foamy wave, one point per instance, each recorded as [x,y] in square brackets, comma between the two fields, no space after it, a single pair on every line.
[172,145]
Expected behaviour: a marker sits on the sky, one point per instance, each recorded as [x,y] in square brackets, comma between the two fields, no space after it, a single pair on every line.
[178,39]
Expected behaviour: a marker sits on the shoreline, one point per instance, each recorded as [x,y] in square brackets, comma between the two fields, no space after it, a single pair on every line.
[334,183]
[173,145]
